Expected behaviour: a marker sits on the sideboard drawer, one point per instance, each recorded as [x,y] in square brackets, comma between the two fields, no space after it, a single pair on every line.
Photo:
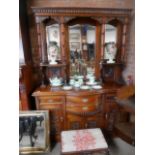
[83,99]
[47,106]
[51,100]
[83,103]
[81,108]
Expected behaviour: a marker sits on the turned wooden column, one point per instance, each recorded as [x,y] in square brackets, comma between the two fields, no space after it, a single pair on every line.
[98,53]
[103,37]
[64,46]
[41,34]
[124,38]
[63,39]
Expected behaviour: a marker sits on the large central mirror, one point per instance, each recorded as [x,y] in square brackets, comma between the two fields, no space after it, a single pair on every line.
[82,40]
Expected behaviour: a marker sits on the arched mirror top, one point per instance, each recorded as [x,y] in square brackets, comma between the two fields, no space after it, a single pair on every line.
[83,20]
[115,21]
[49,21]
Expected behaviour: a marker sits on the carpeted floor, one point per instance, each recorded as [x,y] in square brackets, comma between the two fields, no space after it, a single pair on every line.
[116,146]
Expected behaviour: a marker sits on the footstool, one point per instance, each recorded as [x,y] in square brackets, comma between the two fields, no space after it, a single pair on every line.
[86,141]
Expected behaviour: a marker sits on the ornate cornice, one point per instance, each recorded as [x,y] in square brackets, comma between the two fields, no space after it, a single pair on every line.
[80,11]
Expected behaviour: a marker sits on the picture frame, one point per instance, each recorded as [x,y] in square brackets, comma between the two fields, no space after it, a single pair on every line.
[74,37]
[34,131]
[75,46]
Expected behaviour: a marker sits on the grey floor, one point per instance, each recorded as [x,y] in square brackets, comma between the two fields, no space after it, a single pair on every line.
[116,146]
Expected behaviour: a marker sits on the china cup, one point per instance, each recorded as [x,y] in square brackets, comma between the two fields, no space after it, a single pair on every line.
[91,79]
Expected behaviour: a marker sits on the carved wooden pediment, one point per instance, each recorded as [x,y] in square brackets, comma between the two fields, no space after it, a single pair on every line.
[80,11]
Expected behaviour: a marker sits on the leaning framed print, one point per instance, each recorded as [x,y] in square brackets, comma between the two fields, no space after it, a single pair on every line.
[33,131]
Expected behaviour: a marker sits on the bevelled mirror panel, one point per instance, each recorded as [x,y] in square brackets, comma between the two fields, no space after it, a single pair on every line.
[82,40]
[53,43]
[110,43]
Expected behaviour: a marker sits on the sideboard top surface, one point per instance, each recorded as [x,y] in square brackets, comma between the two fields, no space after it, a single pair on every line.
[48,90]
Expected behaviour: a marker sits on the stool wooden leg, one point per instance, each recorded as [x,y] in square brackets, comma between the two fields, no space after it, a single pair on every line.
[105,152]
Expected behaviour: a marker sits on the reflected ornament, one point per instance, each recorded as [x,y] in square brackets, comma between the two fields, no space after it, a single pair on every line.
[110,52]
[53,52]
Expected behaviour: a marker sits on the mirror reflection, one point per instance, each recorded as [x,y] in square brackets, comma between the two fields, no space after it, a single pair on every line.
[82,38]
[53,43]
[110,43]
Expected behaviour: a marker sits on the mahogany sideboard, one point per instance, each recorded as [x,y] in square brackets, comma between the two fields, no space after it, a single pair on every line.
[78,109]
[79,37]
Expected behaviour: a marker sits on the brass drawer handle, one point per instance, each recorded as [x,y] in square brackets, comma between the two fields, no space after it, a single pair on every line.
[85,100]
[50,101]
[84,108]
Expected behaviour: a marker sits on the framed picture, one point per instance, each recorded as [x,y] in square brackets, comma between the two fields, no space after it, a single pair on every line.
[74,37]
[75,45]
[33,131]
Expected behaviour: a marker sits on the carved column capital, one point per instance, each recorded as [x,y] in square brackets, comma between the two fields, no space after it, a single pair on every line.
[56,19]
[67,19]
[100,20]
[39,19]
[126,20]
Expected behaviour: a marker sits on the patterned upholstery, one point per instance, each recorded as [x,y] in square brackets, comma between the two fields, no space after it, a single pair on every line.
[82,140]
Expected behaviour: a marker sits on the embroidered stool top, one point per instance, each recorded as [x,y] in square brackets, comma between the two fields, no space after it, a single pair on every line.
[82,140]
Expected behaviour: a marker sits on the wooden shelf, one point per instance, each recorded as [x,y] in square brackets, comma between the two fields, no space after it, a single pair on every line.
[112,64]
[53,65]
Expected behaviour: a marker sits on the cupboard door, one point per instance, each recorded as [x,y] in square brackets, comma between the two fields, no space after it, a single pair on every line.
[74,122]
[54,104]
[110,109]
[94,121]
